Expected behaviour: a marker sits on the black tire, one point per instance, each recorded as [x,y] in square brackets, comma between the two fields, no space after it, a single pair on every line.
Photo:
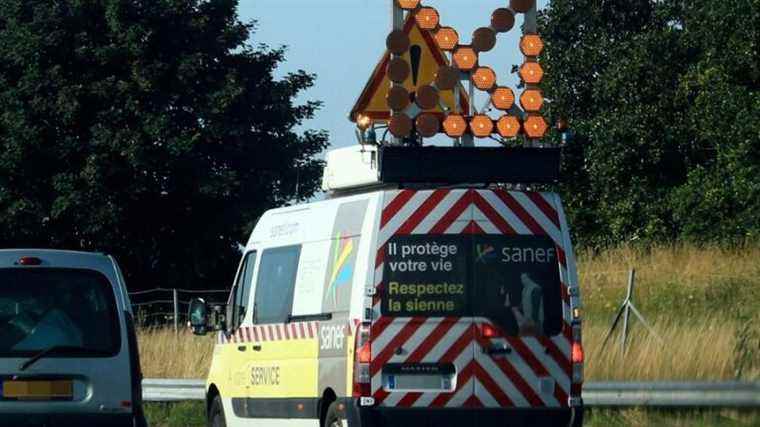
[334,417]
[216,413]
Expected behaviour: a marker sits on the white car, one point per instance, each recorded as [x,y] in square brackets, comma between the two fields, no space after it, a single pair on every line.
[68,349]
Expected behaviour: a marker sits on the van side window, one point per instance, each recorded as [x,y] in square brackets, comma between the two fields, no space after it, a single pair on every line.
[243,287]
[275,284]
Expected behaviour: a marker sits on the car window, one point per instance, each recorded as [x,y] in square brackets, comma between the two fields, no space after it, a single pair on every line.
[275,284]
[40,308]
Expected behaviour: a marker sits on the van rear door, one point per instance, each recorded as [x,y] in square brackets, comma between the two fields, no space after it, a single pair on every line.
[522,333]
[421,335]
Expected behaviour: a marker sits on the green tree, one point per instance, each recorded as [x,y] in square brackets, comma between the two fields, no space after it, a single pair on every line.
[151,130]
[664,101]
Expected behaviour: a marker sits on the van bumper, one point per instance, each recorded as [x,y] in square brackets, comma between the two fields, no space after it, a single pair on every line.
[483,417]
[67,420]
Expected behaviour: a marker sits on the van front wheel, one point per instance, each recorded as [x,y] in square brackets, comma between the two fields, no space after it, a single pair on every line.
[216,413]
[333,418]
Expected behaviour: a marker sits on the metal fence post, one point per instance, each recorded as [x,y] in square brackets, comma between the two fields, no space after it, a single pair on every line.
[629,296]
[624,312]
[175,295]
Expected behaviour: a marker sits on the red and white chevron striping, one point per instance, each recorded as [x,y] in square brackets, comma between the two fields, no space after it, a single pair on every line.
[273,332]
[481,381]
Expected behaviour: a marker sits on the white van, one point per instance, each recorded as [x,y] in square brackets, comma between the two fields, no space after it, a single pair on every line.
[402,307]
[68,349]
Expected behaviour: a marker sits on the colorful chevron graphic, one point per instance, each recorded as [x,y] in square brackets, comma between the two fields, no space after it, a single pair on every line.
[342,269]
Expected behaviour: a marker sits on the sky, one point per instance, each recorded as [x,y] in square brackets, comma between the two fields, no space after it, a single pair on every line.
[341,42]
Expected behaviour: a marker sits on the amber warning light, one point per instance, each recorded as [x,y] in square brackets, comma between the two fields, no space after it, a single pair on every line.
[417,90]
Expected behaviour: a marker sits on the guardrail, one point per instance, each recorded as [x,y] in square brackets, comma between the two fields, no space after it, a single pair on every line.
[595,394]
[171,390]
[673,394]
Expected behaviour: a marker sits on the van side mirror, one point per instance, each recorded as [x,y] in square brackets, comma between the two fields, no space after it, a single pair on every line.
[198,315]
[217,319]
[204,318]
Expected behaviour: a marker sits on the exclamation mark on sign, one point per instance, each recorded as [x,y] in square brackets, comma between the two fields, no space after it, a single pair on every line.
[415,52]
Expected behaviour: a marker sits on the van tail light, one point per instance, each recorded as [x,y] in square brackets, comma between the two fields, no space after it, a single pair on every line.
[577,353]
[488,331]
[362,360]
[577,359]
[29,261]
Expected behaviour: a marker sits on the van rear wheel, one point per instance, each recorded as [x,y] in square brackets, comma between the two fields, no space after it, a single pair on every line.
[216,413]
[333,418]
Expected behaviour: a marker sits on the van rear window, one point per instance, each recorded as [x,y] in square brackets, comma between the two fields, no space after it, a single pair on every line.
[511,280]
[517,283]
[45,307]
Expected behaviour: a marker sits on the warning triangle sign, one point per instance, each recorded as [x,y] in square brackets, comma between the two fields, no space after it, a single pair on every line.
[428,57]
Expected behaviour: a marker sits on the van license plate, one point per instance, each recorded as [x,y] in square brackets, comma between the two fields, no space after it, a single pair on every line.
[38,390]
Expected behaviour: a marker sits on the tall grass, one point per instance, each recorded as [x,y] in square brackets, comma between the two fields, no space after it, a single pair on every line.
[677,280]
[691,349]
[704,302]
[166,354]
[704,349]
[640,417]
[691,265]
